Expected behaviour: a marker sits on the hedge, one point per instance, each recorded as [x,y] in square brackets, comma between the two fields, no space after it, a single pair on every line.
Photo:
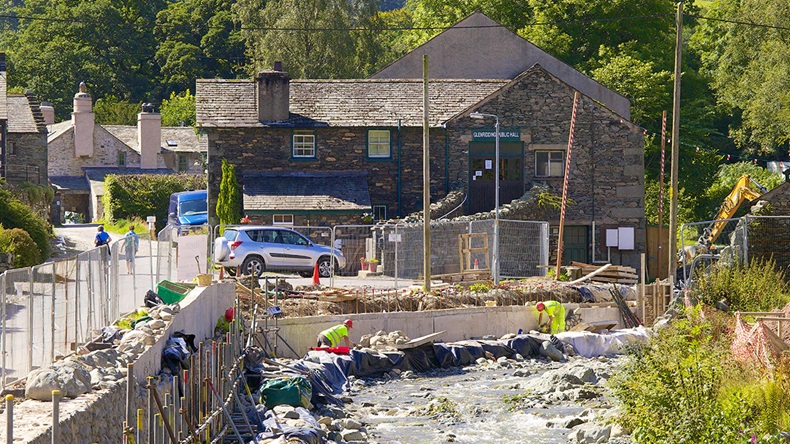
[19,243]
[142,195]
[15,214]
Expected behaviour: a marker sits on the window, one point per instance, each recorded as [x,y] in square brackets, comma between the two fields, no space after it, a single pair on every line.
[549,163]
[121,158]
[304,144]
[11,148]
[283,219]
[379,212]
[182,163]
[378,143]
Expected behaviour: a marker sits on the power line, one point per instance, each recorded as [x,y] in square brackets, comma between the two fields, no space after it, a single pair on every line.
[740,22]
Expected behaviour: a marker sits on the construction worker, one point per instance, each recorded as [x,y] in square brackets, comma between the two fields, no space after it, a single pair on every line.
[556,313]
[223,323]
[331,337]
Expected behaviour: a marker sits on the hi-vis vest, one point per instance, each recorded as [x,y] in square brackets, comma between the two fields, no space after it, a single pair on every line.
[335,334]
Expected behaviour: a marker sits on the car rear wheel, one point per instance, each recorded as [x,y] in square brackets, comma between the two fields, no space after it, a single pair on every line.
[253,265]
[325,266]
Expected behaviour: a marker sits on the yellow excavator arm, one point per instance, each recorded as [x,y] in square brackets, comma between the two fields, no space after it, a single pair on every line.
[740,192]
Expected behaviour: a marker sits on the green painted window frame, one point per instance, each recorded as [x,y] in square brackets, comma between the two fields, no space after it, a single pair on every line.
[368,144]
[120,158]
[182,162]
[303,133]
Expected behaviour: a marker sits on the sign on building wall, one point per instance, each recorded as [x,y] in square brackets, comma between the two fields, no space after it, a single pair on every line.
[489,135]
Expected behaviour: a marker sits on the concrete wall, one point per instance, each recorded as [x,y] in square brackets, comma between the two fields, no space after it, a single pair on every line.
[98,416]
[459,324]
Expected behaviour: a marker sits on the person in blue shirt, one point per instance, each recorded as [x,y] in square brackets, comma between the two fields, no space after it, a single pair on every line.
[130,246]
[102,238]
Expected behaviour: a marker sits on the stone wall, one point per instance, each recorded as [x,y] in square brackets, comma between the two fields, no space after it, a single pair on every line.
[29,163]
[607,167]
[256,149]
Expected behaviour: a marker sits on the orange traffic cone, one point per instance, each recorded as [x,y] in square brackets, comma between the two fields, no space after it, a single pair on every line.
[477,266]
[316,280]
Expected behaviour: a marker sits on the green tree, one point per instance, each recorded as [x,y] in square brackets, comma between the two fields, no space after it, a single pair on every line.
[750,69]
[111,111]
[197,39]
[19,243]
[312,38]
[179,109]
[229,200]
[726,178]
[56,44]
[15,214]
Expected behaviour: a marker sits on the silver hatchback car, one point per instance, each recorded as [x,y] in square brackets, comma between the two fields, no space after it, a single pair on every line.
[261,248]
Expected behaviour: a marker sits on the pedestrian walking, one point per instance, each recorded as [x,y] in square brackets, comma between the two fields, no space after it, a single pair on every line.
[102,238]
[130,246]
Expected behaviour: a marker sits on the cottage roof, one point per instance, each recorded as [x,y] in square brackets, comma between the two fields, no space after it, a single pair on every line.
[70,183]
[342,103]
[174,138]
[306,191]
[24,114]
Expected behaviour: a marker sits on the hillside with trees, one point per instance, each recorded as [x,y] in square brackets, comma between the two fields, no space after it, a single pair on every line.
[735,103]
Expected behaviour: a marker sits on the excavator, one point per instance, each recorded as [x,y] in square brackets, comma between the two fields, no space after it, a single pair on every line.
[740,193]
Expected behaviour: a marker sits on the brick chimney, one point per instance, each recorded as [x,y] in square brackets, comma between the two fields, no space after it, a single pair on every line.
[273,88]
[83,121]
[48,111]
[149,136]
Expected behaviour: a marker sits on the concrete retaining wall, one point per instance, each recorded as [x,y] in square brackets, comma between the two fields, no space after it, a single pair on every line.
[459,323]
[98,416]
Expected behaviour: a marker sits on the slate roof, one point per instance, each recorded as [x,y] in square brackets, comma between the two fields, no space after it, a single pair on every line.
[185,137]
[58,129]
[70,183]
[306,191]
[342,103]
[24,114]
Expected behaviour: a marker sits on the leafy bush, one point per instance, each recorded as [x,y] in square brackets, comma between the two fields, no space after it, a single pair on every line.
[669,387]
[684,387]
[19,243]
[121,226]
[142,195]
[229,199]
[757,286]
[15,214]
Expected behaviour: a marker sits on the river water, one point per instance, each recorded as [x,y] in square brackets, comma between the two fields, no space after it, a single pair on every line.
[396,411]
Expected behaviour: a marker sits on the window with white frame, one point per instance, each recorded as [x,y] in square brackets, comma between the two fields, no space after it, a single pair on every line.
[304,144]
[283,219]
[378,143]
[550,163]
[379,212]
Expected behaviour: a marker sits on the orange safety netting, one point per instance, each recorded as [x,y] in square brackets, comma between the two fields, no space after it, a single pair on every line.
[752,345]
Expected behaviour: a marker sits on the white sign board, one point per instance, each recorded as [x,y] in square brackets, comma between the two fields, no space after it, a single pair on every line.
[394,237]
[489,164]
[188,248]
[625,237]
[611,238]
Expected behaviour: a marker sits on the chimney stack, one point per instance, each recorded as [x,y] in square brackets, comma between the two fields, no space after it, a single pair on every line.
[83,121]
[149,136]
[272,88]
[48,112]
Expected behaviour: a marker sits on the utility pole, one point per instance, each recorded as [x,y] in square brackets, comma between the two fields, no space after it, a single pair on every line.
[673,190]
[426,180]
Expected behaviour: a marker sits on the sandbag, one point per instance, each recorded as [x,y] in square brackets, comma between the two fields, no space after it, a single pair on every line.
[498,349]
[452,355]
[525,345]
[295,391]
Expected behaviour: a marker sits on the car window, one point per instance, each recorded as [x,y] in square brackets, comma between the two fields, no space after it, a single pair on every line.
[230,234]
[292,238]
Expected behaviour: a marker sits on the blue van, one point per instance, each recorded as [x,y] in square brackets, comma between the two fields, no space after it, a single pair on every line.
[188,208]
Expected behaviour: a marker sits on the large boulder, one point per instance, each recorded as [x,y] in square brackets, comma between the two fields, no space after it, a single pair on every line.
[72,378]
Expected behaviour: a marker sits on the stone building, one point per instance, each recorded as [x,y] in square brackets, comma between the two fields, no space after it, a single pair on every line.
[23,150]
[323,152]
[82,153]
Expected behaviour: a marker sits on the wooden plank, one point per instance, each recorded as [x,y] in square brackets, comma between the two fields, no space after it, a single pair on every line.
[594,327]
[615,280]
[416,342]
[776,341]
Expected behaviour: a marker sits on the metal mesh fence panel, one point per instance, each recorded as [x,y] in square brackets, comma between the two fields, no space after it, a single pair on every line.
[523,246]
[353,241]
[42,298]
[766,239]
[65,324]
[18,325]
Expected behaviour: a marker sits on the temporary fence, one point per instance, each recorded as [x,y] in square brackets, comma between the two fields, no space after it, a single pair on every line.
[741,240]
[51,309]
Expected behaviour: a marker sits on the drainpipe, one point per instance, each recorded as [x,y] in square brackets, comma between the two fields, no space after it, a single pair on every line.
[400,211]
[446,159]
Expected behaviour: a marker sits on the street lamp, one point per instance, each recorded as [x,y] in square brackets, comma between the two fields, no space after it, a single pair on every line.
[495,256]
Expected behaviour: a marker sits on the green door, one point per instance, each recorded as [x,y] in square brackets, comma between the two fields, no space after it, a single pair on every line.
[577,245]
